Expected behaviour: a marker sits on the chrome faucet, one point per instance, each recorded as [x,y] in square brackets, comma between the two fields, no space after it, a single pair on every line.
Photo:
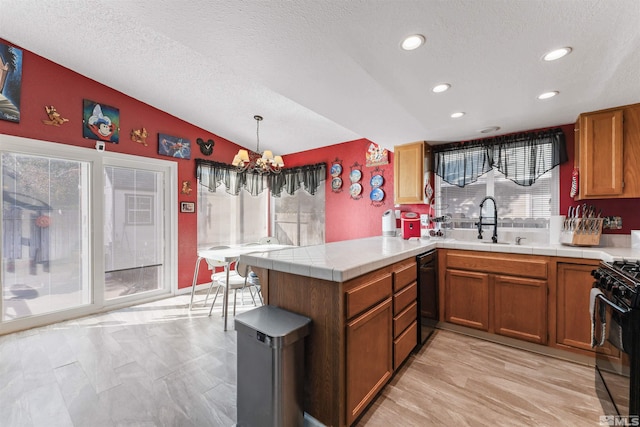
[494,238]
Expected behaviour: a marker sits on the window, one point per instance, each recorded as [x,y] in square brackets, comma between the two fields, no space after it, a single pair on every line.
[225,219]
[518,171]
[299,219]
[518,206]
[139,209]
[228,213]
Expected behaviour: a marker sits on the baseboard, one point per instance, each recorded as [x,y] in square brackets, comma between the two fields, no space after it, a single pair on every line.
[522,345]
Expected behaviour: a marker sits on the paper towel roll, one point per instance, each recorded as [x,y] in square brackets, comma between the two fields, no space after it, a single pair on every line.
[555,227]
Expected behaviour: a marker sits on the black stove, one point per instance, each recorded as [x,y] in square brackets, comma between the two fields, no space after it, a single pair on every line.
[616,336]
[620,281]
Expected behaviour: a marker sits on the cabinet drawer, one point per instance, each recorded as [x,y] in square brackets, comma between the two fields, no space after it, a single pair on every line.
[405,297]
[368,294]
[516,265]
[403,345]
[404,319]
[404,274]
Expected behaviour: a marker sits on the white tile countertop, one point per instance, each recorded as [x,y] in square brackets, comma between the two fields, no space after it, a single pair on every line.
[345,260]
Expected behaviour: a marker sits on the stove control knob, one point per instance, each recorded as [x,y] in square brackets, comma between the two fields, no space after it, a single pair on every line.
[596,274]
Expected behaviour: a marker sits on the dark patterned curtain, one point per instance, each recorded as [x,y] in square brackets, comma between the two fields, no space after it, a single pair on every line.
[212,174]
[522,158]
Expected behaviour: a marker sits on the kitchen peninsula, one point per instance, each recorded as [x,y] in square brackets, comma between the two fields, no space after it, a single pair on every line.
[361,296]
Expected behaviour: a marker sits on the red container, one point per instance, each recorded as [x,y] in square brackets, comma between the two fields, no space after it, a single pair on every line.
[410,224]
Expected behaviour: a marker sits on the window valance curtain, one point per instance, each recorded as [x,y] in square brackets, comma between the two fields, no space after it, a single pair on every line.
[522,158]
[211,174]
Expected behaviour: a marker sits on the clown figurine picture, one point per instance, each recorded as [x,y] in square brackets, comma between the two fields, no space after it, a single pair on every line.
[101,122]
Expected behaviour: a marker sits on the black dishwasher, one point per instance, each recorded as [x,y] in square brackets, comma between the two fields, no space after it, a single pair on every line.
[427,293]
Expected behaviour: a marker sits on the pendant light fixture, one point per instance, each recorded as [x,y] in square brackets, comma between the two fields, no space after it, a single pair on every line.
[262,163]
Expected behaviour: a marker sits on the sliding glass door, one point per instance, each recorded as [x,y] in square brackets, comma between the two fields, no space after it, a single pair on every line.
[82,231]
[45,239]
[133,231]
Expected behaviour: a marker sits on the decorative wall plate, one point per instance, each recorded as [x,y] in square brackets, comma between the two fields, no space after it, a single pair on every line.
[336,170]
[355,189]
[336,183]
[355,175]
[376,194]
[377,180]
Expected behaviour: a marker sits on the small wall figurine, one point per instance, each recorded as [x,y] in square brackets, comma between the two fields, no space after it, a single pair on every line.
[55,119]
[139,136]
[186,187]
[206,148]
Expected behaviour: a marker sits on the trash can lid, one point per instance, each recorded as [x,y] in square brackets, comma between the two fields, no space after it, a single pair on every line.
[281,325]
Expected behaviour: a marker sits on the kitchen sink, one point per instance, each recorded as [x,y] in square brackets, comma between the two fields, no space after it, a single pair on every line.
[499,243]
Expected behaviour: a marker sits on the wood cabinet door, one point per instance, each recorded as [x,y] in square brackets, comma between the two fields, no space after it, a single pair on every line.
[408,173]
[467,298]
[520,308]
[573,321]
[601,154]
[573,324]
[369,354]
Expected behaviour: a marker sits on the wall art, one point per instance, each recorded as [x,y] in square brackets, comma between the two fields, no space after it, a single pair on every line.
[173,146]
[336,171]
[186,188]
[206,148]
[187,207]
[376,156]
[55,119]
[10,82]
[100,121]
[139,136]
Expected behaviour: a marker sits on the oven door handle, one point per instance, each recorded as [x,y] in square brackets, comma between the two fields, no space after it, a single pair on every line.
[613,305]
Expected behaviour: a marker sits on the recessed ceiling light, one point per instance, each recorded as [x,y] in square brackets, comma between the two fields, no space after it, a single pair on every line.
[490,129]
[557,54]
[548,95]
[458,114]
[413,42]
[441,87]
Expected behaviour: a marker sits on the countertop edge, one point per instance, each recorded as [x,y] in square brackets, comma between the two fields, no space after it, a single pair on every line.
[345,260]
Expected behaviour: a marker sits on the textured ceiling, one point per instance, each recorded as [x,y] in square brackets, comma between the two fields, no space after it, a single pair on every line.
[323,72]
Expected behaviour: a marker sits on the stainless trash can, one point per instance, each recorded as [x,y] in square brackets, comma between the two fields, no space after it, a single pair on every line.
[270,384]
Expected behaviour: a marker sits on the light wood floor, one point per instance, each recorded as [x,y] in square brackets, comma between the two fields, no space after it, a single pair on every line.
[456,380]
[160,365]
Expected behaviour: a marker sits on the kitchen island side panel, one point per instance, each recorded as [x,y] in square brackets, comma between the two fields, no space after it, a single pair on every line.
[323,302]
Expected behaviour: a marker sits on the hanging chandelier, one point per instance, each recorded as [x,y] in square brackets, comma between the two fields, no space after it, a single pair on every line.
[264,163]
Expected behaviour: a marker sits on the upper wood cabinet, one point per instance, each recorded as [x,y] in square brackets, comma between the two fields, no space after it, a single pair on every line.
[607,153]
[410,163]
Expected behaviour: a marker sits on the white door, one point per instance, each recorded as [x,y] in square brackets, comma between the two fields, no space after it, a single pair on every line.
[45,241]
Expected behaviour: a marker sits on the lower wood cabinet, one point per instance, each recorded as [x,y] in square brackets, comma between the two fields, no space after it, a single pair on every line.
[466,296]
[498,293]
[369,356]
[520,308]
[572,323]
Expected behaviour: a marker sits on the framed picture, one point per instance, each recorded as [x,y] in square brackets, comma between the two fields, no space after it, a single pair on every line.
[188,207]
[173,146]
[10,82]
[100,122]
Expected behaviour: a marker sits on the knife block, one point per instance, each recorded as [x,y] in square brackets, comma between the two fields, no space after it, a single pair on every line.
[581,231]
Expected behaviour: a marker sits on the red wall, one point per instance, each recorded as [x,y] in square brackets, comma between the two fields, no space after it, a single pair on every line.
[46,83]
[346,217]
